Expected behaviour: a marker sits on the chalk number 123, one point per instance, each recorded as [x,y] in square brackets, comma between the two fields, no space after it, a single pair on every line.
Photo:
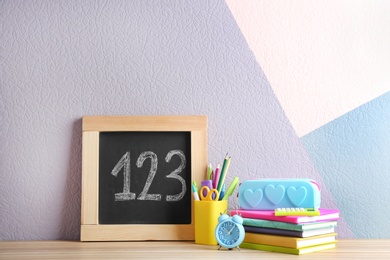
[124,163]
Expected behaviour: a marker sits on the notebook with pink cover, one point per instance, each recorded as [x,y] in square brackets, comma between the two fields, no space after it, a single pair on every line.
[325,215]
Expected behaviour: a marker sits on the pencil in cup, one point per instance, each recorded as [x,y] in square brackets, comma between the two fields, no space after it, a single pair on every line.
[225,168]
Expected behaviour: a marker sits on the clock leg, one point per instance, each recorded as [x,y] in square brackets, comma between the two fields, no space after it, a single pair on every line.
[238,248]
[219,247]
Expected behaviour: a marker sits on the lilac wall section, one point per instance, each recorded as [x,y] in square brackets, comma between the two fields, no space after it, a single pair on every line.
[65,59]
[352,154]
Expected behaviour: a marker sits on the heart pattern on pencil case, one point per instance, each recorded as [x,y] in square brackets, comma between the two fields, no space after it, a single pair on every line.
[274,194]
[253,198]
[297,196]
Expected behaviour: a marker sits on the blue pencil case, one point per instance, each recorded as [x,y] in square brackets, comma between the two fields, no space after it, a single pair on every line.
[269,194]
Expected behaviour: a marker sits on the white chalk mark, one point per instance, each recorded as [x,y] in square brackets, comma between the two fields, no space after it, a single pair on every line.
[175,174]
[124,163]
[153,169]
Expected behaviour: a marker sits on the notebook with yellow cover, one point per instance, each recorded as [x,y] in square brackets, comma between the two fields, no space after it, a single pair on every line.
[291,242]
[286,250]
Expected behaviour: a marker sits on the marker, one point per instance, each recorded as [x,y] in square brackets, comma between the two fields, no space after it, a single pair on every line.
[209,171]
[195,192]
[212,176]
[223,191]
[216,177]
[231,188]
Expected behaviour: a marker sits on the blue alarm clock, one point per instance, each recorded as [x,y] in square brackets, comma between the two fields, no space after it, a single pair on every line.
[229,232]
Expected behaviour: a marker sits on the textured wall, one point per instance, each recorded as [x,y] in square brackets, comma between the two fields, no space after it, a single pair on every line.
[322,58]
[328,63]
[65,59]
[352,153]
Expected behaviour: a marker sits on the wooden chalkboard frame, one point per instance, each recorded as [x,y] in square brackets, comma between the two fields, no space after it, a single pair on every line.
[91,230]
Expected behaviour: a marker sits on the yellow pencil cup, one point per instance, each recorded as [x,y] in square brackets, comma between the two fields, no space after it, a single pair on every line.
[206,220]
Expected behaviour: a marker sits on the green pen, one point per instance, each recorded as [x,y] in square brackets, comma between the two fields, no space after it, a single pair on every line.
[231,188]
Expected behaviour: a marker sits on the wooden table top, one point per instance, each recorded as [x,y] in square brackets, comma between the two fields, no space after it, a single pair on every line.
[346,249]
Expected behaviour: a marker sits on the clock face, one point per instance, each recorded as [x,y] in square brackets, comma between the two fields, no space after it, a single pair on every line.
[228,233]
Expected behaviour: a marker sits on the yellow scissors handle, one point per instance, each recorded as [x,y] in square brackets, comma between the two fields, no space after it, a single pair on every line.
[211,195]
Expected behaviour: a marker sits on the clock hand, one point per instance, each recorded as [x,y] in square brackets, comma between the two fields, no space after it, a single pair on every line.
[230,231]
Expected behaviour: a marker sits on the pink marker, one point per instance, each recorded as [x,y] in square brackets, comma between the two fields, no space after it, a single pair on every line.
[216,176]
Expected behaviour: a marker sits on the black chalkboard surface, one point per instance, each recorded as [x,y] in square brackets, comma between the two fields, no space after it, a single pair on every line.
[145,178]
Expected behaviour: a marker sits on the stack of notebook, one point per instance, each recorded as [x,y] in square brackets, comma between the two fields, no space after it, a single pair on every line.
[289,234]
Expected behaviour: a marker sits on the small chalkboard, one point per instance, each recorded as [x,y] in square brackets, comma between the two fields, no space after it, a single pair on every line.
[137,174]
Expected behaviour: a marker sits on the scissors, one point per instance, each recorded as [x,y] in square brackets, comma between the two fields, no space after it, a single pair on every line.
[211,195]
